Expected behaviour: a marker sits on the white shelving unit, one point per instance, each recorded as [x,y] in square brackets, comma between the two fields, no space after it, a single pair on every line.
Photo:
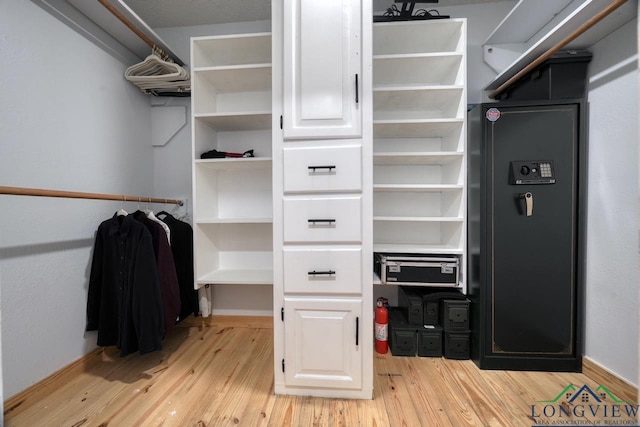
[419,130]
[231,112]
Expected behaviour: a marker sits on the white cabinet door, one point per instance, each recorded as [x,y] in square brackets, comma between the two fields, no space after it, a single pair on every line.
[322,69]
[322,342]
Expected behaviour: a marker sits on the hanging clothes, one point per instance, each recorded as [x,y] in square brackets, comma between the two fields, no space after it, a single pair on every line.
[182,249]
[166,270]
[124,301]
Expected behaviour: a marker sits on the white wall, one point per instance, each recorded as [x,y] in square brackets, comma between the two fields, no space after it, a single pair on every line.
[612,227]
[68,120]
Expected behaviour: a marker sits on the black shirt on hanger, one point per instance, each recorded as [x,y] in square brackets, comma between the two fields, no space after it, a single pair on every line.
[182,248]
[166,270]
[124,301]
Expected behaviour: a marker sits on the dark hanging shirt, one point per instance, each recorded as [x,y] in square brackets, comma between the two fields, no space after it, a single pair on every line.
[182,248]
[166,270]
[124,301]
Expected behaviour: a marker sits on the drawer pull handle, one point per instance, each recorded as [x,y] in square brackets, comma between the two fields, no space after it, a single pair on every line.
[313,169]
[321,273]
[317,221]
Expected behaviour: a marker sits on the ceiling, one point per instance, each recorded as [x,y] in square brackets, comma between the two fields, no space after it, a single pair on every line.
[184,13]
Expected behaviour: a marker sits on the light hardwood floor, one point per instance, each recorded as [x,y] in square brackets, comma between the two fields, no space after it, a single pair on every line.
[218,371]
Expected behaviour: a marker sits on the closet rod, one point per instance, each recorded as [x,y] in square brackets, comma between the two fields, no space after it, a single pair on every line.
[573,35]
[21,191]
[133,28]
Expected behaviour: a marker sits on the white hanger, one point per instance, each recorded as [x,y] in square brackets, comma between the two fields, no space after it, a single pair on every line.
[156,73]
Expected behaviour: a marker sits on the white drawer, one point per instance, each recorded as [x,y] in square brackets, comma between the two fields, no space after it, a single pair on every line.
[322,169]
[321,219]
[323,270]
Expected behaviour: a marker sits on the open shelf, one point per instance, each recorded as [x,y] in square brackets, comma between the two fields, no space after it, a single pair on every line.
[415,158]
[415,37]
[418,69]
[239,276]
[418,102]
[427,128]
[234,49]
[235,121]
[231,163]
[416,248]
[418,218]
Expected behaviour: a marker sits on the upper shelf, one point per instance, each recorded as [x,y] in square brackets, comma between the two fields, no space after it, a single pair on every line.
[535,26]
[93,21]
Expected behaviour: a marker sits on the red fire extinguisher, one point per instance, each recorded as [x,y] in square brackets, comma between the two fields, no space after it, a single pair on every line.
[382,326]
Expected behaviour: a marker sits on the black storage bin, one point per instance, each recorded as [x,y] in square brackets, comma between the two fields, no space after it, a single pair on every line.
[410,299]
[455,315]
[402,335]
[430,341]
[562,76]
[456,345]
[431,300]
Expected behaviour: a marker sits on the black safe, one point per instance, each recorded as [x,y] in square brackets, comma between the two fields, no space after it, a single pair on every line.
[527,202]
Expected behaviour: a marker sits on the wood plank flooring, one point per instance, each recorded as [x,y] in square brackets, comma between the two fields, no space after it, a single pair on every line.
[218,372]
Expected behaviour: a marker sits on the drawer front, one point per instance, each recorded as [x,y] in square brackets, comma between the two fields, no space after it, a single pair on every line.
[323,270]
[322,169]
[323,220]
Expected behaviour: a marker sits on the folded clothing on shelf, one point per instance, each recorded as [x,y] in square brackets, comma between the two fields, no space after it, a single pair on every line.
[215,154]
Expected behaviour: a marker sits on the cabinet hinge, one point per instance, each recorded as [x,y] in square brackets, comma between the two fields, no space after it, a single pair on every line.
[281,121]
[282,313]
[282,365]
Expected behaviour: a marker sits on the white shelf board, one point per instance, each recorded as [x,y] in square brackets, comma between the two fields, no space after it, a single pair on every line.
[239,78]
[417,187]
[232,49]
[428,128]
[243,277]
[585,10]
[234,220]
[418,218]
[416,158]
[427,249]
[233,163]
[248,120]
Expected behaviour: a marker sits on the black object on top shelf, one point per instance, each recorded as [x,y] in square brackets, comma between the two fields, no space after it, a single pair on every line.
[407,14]
[562,76]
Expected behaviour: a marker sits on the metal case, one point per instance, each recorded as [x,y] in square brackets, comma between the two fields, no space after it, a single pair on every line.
[417,269]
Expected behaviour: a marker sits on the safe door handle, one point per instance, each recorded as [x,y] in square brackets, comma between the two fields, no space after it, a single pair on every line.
[528,202]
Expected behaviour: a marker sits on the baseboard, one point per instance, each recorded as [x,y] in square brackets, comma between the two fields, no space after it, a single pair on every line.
[34,392]
[618,385]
